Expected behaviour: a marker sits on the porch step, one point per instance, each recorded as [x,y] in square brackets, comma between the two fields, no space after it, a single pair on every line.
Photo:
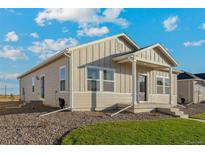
[173,111]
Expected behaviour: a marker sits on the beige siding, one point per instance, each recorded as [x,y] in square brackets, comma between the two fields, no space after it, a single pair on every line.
[101,54]
[185,90]
[51,73]
[153,55]
[198,97]
[99,101]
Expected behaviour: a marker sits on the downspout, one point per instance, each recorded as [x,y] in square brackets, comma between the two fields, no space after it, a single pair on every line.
[69,55]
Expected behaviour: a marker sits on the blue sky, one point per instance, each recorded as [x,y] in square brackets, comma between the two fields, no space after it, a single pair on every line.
[28,36]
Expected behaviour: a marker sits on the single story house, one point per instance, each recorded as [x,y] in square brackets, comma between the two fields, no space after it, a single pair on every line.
[191,87]
[103,73]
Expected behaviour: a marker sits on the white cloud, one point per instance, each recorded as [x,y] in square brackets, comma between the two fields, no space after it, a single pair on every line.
[93,31]
[34,35]
[49,47]
[12,53]
[203,26]
[8,76]
[84,17]
[11,36]
[112,15]
[170,23]
[80,15]
[194,43]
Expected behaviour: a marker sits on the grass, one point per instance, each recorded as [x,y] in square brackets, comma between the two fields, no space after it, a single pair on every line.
[167,131]
[199,116]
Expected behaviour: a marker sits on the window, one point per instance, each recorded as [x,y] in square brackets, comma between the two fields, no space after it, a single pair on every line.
[62,78]
[159,85]
[108,80]
[33,84]
[167,85]
[163,85]
[93,79]
[100,79]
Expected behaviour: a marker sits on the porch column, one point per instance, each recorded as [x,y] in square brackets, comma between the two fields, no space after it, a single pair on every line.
[170,83]
[134,82]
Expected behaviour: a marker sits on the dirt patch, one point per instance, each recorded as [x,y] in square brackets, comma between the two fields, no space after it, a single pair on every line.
[8,98]
[193,109]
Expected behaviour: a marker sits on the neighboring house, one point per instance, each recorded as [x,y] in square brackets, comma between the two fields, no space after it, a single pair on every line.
[191,87]
[100,74]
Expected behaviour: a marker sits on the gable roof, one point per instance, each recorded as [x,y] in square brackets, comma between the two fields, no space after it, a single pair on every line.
[68,50]
[187,75]
[200,75]
[166,53]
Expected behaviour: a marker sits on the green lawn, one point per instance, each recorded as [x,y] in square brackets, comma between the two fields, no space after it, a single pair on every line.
[167,131]
[199,116]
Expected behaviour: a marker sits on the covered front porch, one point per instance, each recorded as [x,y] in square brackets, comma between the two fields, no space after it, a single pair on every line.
[146,95]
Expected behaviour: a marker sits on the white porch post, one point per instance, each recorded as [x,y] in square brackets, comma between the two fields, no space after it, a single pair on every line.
[170,83]
[134,82]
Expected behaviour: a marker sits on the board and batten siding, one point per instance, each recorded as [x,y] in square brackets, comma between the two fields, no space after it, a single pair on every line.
[153,55]
[52,91]
[100,54]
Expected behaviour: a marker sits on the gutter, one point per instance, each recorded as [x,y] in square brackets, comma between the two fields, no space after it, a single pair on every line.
[70,55]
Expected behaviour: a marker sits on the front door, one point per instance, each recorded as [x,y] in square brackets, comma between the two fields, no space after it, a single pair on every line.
[43,87]
[142,87]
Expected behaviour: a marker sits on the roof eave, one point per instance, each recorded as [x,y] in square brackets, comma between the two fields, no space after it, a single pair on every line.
[44,63]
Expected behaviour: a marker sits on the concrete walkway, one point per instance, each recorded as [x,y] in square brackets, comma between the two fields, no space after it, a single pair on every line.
[200,120]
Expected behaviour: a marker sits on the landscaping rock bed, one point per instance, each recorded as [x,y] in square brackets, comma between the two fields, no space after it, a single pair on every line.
[29,128]
[193,109]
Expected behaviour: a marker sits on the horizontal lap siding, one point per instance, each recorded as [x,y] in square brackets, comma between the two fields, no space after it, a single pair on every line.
[99,100]
[51,72]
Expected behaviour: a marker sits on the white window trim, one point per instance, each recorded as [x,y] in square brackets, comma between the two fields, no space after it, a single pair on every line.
[163,86]
[101,78]
[62,67]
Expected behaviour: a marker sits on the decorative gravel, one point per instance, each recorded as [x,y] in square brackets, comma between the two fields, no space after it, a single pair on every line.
[29,128]
[193,109]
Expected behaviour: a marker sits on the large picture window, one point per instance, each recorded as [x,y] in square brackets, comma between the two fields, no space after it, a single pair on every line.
[163,85]
[62,74]
[100,79]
